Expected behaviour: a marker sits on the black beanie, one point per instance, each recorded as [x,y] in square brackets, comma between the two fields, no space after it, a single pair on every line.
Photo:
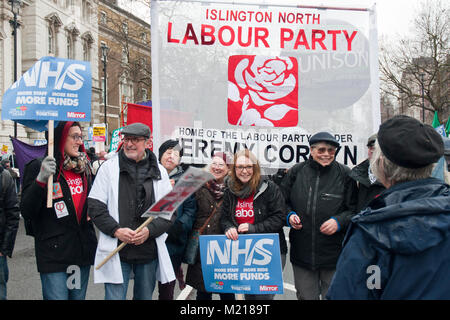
[409,143]
[169,144]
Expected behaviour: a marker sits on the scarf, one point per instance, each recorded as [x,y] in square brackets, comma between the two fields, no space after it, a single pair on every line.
[243,193]
[76,164]
[216,189]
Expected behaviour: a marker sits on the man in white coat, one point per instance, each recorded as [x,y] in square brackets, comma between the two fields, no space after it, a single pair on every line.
[125,187]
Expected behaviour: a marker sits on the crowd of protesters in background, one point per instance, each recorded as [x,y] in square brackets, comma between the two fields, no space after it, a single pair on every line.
[391,212]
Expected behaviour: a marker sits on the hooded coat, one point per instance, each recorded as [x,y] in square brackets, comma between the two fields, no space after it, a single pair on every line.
[59,241]
[399,247]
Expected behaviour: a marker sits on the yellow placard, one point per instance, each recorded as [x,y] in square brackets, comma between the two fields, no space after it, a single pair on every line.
[99,131]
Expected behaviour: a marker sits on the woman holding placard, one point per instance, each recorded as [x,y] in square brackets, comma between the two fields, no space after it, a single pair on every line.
[251,204]
[65,240]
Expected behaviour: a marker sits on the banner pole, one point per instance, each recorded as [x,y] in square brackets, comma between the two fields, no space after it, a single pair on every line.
[50,153]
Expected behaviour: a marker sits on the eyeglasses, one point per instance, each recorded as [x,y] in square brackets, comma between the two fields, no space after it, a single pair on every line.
[322,150]
[217,164]
[241,168]
[133,140]
[76,137]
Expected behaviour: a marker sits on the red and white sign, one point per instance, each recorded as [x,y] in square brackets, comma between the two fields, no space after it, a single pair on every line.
[249,74]
[262,91]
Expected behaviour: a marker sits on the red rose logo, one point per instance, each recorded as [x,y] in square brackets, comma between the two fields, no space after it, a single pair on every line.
[262,91]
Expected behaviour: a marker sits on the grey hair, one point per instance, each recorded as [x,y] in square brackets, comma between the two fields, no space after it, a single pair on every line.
[390,172]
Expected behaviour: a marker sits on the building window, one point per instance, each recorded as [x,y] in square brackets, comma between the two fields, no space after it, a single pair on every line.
[103,17]
[70,47]
[124,56]
[86,51]
[125,88]
[54,23]
[125,28]
[51,40]
[88,41]
[144,94]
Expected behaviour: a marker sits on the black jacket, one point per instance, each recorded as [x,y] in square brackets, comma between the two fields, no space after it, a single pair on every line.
[316,194]
[9,213]
[59,242]
[269,208]
[366,190]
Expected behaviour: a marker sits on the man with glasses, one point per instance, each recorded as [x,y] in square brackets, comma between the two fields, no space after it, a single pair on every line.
[125,187]
[321,199]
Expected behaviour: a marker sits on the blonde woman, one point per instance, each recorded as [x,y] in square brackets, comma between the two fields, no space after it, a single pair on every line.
[251,204]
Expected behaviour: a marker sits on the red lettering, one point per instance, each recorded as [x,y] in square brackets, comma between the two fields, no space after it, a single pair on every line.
[190,34]
[249,37]
[316,39]
[169,34]
[262,37]
[283,36]
[349,40]
[334,33]
[301,40]
[232,36]
[208,31]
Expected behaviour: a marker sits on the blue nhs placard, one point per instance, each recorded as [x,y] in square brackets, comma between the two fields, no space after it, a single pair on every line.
[250,265]
[53,89]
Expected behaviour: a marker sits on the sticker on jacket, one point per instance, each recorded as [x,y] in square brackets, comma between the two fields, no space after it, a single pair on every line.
[57,191]
[61,209]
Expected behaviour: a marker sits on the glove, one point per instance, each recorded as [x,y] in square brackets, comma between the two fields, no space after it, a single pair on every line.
[48,167]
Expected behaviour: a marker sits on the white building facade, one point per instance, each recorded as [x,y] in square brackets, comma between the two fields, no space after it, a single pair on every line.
[60,28]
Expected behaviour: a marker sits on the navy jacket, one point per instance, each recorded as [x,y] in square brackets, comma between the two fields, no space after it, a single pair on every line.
[399,247]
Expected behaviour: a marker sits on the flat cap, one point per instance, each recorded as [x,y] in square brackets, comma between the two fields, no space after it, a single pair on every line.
[409,143]
[324,137]
[137,129]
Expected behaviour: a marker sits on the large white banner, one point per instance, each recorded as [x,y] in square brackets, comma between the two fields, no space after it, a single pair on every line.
[230,75]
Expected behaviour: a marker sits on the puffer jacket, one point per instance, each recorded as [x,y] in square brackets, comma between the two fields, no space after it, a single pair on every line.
[316,194]
[399,247]
[9,213]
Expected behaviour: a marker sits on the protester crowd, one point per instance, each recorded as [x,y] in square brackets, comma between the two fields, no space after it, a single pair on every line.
[389,214]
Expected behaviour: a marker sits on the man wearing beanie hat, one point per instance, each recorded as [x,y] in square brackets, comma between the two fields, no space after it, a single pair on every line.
[321,198]
[125,187]
[170,154]
[399,247]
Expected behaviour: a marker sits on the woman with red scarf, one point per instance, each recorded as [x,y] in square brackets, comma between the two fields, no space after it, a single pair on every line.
[65,240]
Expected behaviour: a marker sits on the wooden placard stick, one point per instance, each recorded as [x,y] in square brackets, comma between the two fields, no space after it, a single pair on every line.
[123,244]
[50,153]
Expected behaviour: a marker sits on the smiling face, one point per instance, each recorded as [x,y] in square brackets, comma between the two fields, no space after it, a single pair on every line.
[218,168]
[170,159]
[323,153]
[244,169]
[134,147]
[73,142]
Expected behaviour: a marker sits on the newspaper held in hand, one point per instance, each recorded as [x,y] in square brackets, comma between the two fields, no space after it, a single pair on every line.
[188,183]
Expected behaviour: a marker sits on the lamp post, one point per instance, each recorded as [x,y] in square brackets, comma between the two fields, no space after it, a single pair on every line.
[15,8]
[105,50]
[423,99]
